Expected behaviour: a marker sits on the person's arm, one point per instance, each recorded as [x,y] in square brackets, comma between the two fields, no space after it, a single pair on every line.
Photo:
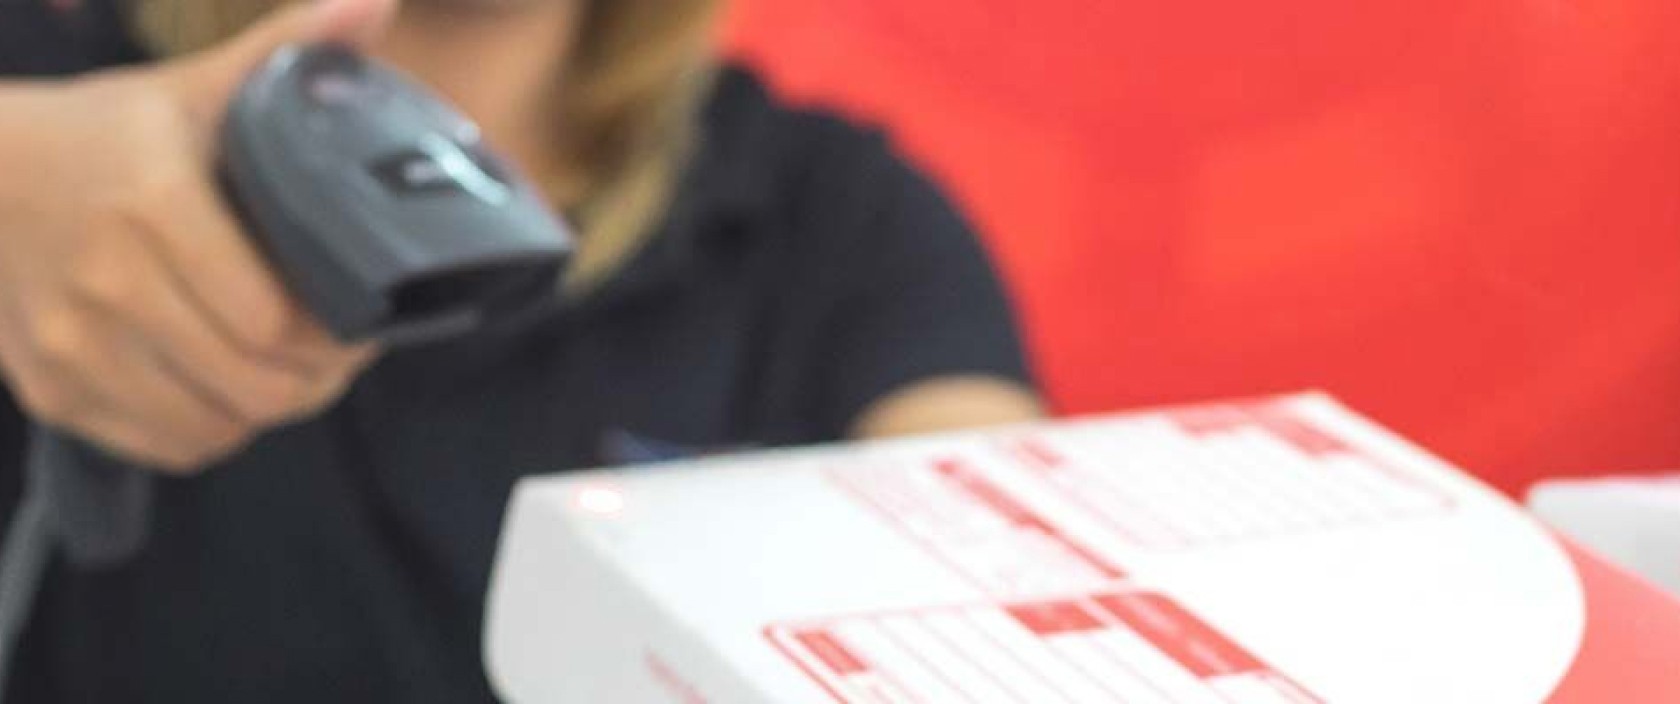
[924,337]
[133,311]
[950,403]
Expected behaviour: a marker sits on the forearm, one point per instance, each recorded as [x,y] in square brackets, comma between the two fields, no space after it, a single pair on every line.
[949,403]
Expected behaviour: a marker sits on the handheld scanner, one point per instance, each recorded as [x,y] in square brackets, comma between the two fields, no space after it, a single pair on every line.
[379,206]
[382,212]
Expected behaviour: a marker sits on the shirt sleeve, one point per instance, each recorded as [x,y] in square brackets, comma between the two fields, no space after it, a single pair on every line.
[915,296]
[42,38]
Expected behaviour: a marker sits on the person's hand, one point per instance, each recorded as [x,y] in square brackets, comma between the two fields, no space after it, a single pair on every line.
[134,312]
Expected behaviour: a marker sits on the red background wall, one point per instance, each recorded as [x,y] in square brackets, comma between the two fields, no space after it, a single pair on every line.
[1461,218]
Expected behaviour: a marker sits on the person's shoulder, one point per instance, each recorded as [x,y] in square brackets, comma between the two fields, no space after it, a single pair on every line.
[744,109]
[751,122]
[798,155]
[834,192]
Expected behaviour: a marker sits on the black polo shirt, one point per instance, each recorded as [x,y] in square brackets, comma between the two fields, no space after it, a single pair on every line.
[803,272]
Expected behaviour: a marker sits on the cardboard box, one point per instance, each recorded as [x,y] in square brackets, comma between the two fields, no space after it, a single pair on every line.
[1632,521]
[1279,551]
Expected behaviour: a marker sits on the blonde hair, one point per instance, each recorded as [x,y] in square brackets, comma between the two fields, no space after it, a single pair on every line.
[635,78]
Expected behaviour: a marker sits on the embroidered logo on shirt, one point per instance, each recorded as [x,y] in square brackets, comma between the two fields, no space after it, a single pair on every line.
[623,447]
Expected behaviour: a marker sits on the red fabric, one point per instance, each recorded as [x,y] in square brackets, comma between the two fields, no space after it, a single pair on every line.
[1461,218]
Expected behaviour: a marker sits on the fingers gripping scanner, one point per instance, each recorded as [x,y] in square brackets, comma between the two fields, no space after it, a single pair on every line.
[384,214]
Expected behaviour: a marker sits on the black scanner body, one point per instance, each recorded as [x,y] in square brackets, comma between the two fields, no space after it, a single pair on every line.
[380,206]
[385,216]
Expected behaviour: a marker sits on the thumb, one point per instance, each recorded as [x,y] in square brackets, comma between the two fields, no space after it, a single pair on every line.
[206,81]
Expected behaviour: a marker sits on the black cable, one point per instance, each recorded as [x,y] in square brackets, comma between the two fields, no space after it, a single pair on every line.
[23,566]
[77,498]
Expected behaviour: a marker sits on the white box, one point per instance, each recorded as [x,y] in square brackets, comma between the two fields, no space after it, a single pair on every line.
[1279,551]
[1632,521]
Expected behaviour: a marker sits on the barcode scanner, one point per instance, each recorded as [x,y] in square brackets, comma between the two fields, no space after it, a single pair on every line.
[380,206]
[385,215]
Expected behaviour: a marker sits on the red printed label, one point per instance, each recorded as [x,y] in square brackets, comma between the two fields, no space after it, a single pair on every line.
[1181,636]
[990,495]
[1054,618]
[1306,438]
[978,528]
[831,652]
[1222,474]
[1137,648]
